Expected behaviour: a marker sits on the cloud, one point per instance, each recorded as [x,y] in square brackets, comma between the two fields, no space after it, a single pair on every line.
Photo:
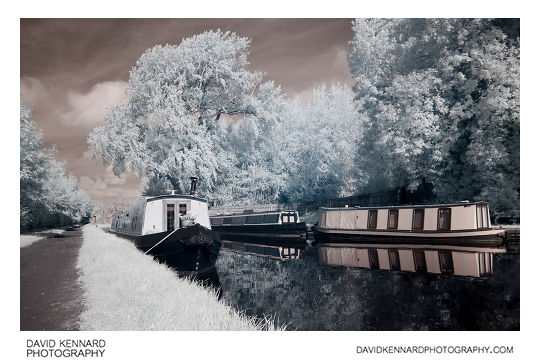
[88,110]
[33,92]
[110,188]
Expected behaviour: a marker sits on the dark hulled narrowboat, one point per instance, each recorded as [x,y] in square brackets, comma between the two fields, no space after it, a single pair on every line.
[175,229]
[272,227]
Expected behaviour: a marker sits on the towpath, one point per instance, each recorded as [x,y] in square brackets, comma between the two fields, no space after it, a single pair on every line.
[50,297]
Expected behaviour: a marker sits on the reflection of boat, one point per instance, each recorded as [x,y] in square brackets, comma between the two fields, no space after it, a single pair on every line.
[267,251]
[175,229]
[439,259]
[280,227]
[454,224]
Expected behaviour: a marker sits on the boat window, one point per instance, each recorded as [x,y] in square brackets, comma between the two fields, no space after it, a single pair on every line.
[170,217]
[182,209]
[418,219]
[420,261]
[238,220]
[216,221]
[255,219]
[227,221]
[271,218]
[134,222]
[444,219]
[392,219]
[372,219]
[393,257]
[373,258]
[446,262]
[288,218]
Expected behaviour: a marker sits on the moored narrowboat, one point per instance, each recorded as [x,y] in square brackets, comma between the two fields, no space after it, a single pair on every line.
[463,223]
[280,227]
[175,229]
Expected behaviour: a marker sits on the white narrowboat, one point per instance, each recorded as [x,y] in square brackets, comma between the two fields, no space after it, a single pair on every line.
[175,229]
[464,223]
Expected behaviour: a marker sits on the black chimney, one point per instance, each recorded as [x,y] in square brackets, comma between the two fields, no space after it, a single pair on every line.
[193,191]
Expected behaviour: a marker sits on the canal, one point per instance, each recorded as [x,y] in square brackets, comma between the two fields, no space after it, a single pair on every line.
[304,294]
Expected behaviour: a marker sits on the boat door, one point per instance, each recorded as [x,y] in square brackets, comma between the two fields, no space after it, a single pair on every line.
[170,217]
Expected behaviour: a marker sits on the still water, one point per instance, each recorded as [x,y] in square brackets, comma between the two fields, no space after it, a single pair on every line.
[305,294]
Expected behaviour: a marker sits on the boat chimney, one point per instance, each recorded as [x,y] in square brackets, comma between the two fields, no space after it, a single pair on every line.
[193,191]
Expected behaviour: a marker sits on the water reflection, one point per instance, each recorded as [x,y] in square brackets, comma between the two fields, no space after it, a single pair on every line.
[373,287]
[279,252]
[438,259]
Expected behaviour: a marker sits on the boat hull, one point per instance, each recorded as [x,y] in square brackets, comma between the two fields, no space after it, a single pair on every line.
[189,249]
[279,234]
[480,238]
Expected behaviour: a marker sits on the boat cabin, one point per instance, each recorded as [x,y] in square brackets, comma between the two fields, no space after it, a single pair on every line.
[149,215]
[263,218]
[448,217]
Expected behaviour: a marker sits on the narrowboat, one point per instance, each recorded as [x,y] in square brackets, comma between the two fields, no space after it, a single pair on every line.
[464,261]
[174,229]
[463,223]
[274,227]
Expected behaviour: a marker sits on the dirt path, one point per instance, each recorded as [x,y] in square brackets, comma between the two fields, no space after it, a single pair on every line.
[50,297]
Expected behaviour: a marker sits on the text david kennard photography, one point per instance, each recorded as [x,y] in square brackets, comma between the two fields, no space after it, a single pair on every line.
[66,348]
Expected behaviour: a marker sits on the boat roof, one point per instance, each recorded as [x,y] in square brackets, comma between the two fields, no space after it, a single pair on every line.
[184,197]
[404,206]
[254,213]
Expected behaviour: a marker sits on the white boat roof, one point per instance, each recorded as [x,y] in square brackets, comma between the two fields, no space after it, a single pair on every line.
[404,206]
[183,197]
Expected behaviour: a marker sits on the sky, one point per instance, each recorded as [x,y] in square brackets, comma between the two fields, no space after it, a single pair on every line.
[73,69]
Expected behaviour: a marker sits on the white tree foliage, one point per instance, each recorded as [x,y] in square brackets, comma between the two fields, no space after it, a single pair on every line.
[167,129]
[439,98]
[48,197]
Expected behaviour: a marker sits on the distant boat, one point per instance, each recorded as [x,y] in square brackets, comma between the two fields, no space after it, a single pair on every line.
[175,229]
[270,227]
[463,223]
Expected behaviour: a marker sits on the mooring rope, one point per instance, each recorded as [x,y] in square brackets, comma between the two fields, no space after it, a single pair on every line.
[159,242]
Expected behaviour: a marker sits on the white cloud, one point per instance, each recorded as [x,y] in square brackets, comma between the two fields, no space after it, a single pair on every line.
[33,92]
[88,110]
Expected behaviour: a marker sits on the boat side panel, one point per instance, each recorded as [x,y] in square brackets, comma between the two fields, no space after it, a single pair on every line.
[405,219]
[361,219]
[430,219]
[382,219]
[333,219]
[432,261]
[199,210]
[406,260]
[466,264]
[153,217]
[463,217]
[348,220]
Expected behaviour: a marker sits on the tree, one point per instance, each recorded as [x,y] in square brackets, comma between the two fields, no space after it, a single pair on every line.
[167,129]
[320,150]
[439,98]
[48,197]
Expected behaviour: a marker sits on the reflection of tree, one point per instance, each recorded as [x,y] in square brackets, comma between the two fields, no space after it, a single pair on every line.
[309,296]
